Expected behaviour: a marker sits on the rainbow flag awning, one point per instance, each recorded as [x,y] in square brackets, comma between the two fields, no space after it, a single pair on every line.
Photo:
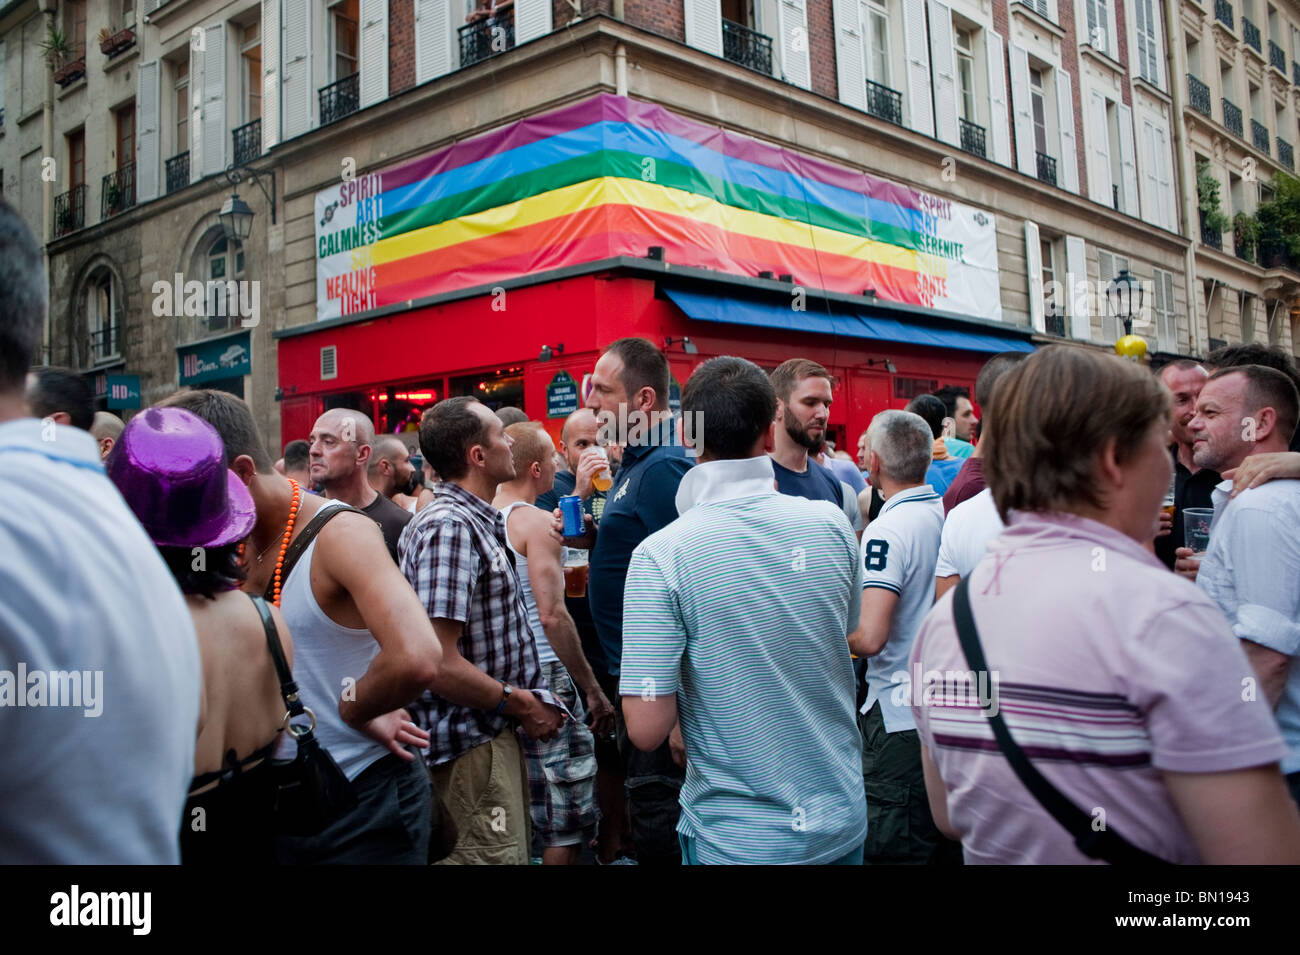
[611,176]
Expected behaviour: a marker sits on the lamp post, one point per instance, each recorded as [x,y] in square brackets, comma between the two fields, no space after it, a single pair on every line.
[236,216]
[1124,299]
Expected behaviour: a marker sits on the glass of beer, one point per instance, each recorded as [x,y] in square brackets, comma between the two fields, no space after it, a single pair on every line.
[1167,505]
[575,572]
[604,479]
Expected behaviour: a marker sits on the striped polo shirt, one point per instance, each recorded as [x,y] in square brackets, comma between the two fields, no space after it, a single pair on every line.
[742,607]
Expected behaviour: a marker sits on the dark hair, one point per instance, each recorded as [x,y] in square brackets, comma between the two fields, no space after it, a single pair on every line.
[511,415]
[221,570]
[1253,353]
[994,369]
[735,402]
[644,366]
[1182,364]
[232,419]
[297,454]
[786,376]
[931,409]
[949,394]
[1052,414]
[447,432]
[23,298]
[61,389]
[1268,388]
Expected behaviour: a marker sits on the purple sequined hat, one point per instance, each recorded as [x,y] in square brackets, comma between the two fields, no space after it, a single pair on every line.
[170,467]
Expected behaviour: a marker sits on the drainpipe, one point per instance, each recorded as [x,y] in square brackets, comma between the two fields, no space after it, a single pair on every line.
[1186,167]
[47,188]
[620,70]
[618,9]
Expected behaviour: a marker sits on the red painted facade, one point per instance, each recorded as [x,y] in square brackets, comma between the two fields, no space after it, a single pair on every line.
[419,352]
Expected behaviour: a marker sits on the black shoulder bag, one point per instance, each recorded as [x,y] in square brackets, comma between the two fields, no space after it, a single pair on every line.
[311,790]
[1106,844]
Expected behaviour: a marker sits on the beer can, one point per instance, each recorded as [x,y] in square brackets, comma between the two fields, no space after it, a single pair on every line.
[571,511]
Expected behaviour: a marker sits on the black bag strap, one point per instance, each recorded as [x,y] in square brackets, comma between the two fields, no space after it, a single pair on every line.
[288,688]
[301,542]
[1106,844]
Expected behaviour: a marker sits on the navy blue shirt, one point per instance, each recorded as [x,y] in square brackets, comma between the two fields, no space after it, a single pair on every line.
[642,500]
[817,483]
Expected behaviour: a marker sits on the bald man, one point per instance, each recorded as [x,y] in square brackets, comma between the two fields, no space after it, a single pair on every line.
[341,443]
[392,474]
[106,429]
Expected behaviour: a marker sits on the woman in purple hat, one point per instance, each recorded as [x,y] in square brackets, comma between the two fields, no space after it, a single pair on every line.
[169,466]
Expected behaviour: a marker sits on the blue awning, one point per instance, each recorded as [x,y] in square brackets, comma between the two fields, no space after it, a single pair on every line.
[705,307]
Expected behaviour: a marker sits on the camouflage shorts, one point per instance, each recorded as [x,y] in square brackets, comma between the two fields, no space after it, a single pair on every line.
[562,772]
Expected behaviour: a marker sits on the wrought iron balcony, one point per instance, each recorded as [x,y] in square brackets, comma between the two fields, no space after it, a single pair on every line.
[1046,168]
[341,98]
[1114,195]
[1232,117]
[178,171]
[1259,136]
[1054,322]
[747,47]
[247,142]
[1242,249]
[1295,72]
[70,210]
[1223,13]
[1250,33]
[1211,237]
[118,192]
[1276,57]
[486,37]
[1198,94]
[105,344]
[884,103]
[1285,155]
[972,138]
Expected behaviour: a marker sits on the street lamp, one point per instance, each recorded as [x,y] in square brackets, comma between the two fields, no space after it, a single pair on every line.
[1124,299]
[236,216]
[688,346]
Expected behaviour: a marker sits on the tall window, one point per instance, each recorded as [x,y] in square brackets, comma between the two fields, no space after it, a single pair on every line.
[76,158]
[1246,303]
[225,261]
[1109,265]
[965,45]
[1051,297]
[1039,104]
[74,26]
[125,136]
[100,317]
[251,50]
[875,37]
[126,14]
[1099,24]
[1166,321]
[1116,158]
[182,99]
[1149,46]
[343,38]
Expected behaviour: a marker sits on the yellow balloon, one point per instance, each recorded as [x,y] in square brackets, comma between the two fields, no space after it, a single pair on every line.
[1131,346]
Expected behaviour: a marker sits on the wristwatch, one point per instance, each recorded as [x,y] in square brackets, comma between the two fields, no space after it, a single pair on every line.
[506,690]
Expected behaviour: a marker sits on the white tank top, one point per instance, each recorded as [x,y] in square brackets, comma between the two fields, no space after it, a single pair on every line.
[324,655]
[544,652]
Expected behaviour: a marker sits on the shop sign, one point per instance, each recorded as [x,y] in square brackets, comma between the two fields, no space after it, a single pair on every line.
[207,361]
[123,391]
[561,396]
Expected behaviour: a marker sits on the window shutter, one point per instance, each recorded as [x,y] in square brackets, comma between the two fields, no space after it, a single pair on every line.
[999,115]
[532,19]
[1166,200]
[1034,273]
[1100,191]
[792,20]
[2,73]
[214,99]
[916,50]
[196,111]
[850,69]
[1077,301]
[1068,165]
[1167,327]
[146,149]
[944,58]
[1026,161]
[704,25]
[295,68]
[1105,273]
[373,52]
[433,33]
[1127,161]
[270,73]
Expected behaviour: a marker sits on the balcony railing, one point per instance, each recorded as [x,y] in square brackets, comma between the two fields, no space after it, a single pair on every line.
[1259,135]
[747,47]
[1232,117]
[341,98]
[1243,249]
[118,191]
[1276,57]
[1284,154]
[884,103]
[1198,94]
[1250,33]
[105,344]
[1046,168]
[486,37]
[1211,237]
[178,171]
[70,210]
[1114,195]
[1223,12]
[972,138]
[247,142]
[1054,323]
[1295,72]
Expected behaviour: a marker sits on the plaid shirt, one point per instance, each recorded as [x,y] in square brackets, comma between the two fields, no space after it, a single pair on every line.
[456,557]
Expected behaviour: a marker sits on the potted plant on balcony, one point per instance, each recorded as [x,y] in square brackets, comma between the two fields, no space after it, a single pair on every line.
[110,43]
[1245,235]
[1279,224]
[63,221]
[1207,200]
[113,196]
[58,54]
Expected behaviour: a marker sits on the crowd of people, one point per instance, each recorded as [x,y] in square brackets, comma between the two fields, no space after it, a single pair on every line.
[1002,638]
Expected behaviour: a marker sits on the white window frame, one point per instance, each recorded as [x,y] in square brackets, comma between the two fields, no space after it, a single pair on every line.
[244,90]
[234,264]
[96,321]
[965,72]
[872,12]
[334,15]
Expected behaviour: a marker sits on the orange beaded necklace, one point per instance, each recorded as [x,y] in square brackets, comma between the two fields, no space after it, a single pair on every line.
[288,533]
